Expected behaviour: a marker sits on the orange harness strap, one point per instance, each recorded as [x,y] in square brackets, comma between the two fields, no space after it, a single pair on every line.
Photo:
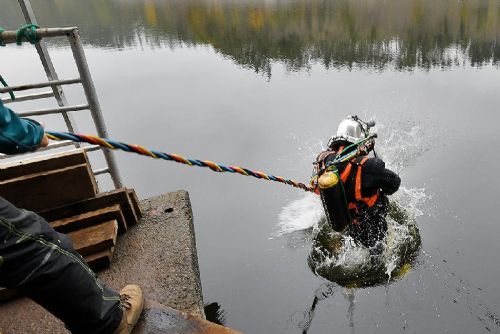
[370,201]
[346,172]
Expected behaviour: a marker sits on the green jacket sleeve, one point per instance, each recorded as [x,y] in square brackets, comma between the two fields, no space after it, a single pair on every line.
[18,135]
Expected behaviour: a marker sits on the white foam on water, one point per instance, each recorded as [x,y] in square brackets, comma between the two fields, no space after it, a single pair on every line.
[300,214]
[397,237]
[354,258]
[351,256]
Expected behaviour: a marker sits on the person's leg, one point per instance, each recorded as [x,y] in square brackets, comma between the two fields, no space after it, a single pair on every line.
[43,264]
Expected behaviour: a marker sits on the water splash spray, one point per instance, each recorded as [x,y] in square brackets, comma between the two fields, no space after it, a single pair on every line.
[400,147]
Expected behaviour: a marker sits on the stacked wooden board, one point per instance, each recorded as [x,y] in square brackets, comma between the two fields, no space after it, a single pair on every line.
[62,189]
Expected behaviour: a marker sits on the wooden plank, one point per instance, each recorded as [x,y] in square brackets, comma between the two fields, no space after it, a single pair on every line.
[100,260]
[94,239]
[135,203]
[14,169]
[91,218]
[99,201]
[50,189]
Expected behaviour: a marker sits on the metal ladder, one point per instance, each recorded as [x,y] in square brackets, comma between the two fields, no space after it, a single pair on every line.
[55,84]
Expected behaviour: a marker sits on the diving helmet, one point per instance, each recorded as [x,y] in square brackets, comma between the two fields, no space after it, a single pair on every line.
[350,130]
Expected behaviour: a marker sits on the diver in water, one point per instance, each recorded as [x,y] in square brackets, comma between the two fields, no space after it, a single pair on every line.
[353,186]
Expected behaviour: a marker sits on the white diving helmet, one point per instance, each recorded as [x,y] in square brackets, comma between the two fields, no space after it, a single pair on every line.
[350,130]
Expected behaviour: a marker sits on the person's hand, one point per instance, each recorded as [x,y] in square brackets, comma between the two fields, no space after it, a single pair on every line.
[45,139]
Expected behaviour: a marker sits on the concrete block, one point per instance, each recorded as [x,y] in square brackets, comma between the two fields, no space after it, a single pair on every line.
[160,255]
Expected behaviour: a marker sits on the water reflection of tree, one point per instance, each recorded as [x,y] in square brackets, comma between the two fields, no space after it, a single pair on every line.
[344,33]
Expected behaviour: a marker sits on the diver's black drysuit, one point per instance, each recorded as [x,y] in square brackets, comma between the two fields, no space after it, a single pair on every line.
[369,223]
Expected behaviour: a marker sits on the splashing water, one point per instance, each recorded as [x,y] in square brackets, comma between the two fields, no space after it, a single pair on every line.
[398,239]
[414,201]
[307,212]
[301,214]
[402,141]
[350,255]
[343,260]
[401,147]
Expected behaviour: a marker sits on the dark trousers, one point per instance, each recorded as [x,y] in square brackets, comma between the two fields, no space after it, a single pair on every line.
[42,264]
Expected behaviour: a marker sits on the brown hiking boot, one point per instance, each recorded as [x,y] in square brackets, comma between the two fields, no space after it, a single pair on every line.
[132,302]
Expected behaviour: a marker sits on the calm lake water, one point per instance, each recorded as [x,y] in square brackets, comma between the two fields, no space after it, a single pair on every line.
[263,84]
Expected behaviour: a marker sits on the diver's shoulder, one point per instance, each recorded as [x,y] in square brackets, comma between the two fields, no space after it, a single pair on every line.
[375,163]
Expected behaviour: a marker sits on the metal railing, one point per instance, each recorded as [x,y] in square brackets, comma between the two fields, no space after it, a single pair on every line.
[57,92]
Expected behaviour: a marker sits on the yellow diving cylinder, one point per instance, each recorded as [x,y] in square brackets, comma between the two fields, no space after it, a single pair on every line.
[334,202]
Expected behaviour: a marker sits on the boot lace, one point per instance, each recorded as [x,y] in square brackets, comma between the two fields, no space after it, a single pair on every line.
[125,301]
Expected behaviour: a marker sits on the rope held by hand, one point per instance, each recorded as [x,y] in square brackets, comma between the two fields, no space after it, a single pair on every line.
[111,144]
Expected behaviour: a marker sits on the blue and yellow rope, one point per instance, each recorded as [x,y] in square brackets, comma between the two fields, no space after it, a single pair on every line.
[111,144]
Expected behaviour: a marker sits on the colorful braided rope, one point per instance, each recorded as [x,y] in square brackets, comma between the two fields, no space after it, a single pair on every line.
[111,144]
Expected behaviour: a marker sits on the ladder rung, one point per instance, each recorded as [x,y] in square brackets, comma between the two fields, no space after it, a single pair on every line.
[51,83]
[40,112]
[30,97]
[92,148]
[101,171]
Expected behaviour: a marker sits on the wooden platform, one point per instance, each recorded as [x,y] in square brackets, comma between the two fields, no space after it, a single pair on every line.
[62,188]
